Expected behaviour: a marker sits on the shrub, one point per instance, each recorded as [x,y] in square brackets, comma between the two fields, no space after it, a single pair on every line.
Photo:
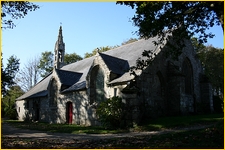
[217,104]
[111,113]
[11,114]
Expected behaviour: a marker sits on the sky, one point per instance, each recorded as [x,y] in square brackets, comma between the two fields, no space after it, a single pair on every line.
[85,26]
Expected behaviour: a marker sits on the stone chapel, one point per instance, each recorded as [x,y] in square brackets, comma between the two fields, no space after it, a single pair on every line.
[71,93]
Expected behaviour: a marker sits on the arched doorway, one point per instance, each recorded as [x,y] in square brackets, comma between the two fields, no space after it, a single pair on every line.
[69,112]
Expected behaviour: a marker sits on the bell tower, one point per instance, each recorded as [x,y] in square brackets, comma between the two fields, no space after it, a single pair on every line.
[59,51]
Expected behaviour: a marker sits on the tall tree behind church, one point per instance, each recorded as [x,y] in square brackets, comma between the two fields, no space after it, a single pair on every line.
[8,74]
[106,48]
[212,60]
[29,75]
[71,58]
[45,65]
[213,63]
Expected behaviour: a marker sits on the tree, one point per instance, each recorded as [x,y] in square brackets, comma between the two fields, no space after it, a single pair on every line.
[182,19]
[45,65]
[212,60]
[106,48]
[8,101]
[29,75]
[9,73]
[197,46]
[15,10]
[131,40]
[111,112]
[173,22]
[101,49]
[71,58]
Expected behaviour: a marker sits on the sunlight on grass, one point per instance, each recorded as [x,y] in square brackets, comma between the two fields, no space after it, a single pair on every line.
[150,125]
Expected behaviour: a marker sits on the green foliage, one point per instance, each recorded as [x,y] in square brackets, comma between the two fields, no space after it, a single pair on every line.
[197,46]
[181,20]
[131,40]
[111,112]
[15,10]
[9,73]
[46,63]
[106,48]
[94,52]
[218,104]
[142,63]
[8,102]
[11,113]
[71,58]
[212,60]
[156,18]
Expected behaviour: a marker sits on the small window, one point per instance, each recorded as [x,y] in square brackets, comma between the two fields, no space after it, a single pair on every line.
[115,92]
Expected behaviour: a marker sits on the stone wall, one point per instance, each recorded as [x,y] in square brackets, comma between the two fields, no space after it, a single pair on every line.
[162,85]
[21,111]
[159,91]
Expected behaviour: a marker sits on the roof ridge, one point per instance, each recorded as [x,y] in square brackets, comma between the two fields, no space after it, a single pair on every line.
[68,71]
[112,56]
[124,45]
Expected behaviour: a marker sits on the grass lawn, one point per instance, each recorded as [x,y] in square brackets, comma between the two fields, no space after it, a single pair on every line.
[208,138]
[178,122]
[63,128]
[212,137]
[151,125]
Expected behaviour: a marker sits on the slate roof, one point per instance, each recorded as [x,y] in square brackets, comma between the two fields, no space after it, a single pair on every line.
[39,90]
[118,61]
[116,65]
[68,78]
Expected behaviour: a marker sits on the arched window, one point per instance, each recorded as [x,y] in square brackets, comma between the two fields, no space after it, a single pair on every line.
[53,93]
[188,73]
[97,93]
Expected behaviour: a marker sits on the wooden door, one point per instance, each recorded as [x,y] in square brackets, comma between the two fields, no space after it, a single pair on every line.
[69,112]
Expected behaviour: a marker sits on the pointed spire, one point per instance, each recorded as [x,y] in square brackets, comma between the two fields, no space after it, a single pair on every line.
[60,37]
[59,50]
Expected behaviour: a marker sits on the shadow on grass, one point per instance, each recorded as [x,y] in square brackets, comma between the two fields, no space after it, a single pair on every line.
[178,122]
[149,125]
[63,128]
[208,138]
